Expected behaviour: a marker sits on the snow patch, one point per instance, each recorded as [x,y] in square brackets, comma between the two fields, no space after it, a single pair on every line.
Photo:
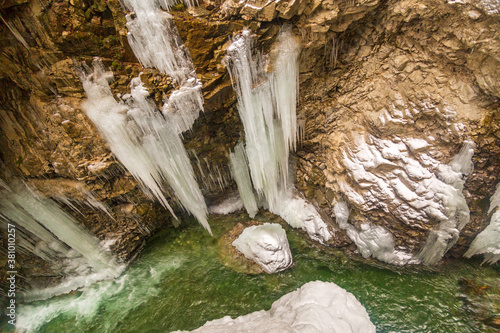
[228,206]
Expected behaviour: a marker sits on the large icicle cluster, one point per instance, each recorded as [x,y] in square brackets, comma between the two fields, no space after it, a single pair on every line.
[143,140]
[156,43]
[264,136]
[267,108]
[399,178]
[146,142]
[319,307]
[53,235]
[487,242]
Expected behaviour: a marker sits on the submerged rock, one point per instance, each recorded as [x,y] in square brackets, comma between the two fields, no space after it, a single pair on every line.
[267,245]
[315,307]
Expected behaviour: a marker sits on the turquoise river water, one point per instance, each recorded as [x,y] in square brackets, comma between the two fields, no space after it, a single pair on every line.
[179,282]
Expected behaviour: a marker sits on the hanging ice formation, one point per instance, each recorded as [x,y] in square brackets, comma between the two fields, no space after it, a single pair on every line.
[143,140]
[487,242]
[156,43]
[267,108]
[240,172]
[53,235]
[451,178]
[146,142]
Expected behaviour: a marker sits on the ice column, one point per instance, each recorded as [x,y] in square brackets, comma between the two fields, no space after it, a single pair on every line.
[270,130]
[143,140]
[488,241]
[156,43]
[52,234]
[239,170]
[267,108]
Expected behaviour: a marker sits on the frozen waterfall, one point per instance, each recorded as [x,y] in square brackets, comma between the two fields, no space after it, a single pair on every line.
[143,140]
[267,108]
[156,43]
[53,235]
[146,141]
[487,242]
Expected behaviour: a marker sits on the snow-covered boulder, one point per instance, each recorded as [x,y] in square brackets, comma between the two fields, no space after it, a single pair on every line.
[316,307]
[267,245]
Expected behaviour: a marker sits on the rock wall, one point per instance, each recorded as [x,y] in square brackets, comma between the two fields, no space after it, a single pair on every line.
[409,81]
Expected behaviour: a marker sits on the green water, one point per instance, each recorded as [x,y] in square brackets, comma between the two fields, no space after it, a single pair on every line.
[179,282]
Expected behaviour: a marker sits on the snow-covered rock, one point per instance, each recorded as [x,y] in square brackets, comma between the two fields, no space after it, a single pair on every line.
[412,187]
[300,214]
[267,245]
[316,307]
[371,240]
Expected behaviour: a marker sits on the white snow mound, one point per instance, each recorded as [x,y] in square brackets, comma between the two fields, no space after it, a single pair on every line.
[316,307]
[267,245]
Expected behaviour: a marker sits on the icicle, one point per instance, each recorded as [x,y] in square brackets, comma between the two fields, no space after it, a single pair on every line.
[266,148]
[239,170]
[46,220]
[487,242]
[267,108]
[286,85]
[50,233]
[144,141]
[156,43]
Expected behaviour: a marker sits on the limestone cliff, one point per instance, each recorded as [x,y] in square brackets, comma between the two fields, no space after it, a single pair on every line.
[407,82]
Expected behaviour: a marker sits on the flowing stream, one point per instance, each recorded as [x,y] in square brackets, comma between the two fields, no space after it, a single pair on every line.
[180,282]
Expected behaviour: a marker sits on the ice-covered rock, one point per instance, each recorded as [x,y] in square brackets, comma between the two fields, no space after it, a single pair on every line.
[371,240]
[267,245]
[300,214]
[405,182]
[487,242]
[316,307]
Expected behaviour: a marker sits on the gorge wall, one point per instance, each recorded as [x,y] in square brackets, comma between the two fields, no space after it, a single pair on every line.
[389,93]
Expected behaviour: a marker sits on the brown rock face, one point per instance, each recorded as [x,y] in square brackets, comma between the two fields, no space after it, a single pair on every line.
[374,74]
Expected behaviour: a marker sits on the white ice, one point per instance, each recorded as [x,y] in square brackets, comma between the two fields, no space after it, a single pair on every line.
[267,107]
[316,307]
[239,170]
[267,245]
[399,178]
[228,206]
[266,104]
[70,249]
[300,214]
[371,240]
[156,43]
[487,242]
[144,141]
